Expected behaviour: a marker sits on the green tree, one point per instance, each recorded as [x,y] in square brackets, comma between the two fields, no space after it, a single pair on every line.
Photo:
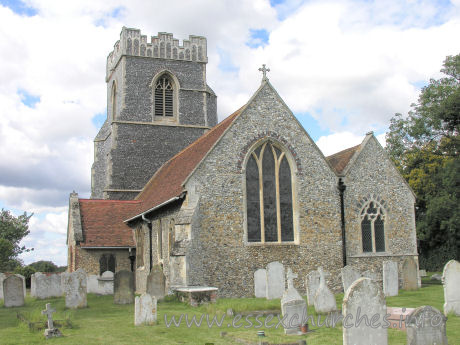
[12,231]
[44,266]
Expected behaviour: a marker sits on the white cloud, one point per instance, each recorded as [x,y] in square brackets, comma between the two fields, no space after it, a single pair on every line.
[333,143]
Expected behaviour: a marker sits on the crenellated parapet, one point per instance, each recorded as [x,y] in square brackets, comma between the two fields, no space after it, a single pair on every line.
[163,46]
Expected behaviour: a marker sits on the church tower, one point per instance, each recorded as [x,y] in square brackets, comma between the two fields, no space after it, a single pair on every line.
[158,102]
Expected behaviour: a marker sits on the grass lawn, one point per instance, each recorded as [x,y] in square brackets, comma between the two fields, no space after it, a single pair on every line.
[105,323]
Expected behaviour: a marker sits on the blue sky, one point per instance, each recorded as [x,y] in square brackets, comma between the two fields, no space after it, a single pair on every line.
[343,67]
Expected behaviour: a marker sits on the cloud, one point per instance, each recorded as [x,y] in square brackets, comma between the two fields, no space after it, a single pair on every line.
[333,143]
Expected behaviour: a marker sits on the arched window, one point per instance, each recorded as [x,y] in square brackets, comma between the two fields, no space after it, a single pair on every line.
[269,195]
[164,97]
[373,227]
[107,263]
[114,101]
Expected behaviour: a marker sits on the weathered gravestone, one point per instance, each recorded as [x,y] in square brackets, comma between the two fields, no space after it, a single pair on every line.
[324,298]
[45,285]
[349,275]
[93,284]
[260,283]
[312,284]
[145,310]
[371,275]
[13,291]
[451,282]
[364,299]
[275,280]
[105,283]
[123,287]
[390,278]
[156,282]
[2,278]
[75,289]
[409,274]
[51,331]
[426,326]
[293,307]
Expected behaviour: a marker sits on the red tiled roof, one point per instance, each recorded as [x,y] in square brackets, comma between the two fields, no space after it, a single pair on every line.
[340,160]
[102,222]
[167,182]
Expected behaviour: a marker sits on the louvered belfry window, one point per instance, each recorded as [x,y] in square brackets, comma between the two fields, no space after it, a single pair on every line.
[164,97]
[372,228]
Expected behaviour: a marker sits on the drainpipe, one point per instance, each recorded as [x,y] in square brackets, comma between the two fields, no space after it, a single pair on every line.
[341,186]
[149,225]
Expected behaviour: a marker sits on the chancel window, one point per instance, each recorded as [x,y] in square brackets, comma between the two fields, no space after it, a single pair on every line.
[373,228]
[164,97]
[269,196]
[107,263]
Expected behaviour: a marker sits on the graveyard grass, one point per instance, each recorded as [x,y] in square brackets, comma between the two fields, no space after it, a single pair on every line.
[105,323]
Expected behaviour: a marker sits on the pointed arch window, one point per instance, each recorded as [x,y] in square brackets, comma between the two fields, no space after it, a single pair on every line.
[164,97]
[269,201]
[373,228]
[107,263]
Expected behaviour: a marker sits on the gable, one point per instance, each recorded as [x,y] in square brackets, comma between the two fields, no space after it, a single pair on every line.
[340,160]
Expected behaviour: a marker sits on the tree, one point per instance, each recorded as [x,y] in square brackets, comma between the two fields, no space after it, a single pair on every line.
[425,147]
[12,231]
[44,266]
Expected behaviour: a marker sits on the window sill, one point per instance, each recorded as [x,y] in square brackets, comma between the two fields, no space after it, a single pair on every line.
[379,254]
[268,244]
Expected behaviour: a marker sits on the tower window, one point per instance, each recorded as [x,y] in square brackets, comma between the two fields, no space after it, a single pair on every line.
[372,228]
[164,97]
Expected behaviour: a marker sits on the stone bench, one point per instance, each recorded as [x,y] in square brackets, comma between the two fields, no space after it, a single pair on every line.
[196,295]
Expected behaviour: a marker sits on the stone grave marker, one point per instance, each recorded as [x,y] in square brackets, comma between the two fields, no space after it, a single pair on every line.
[275,280]
[105,283]
[293,307]
[370,274]
[13,291]
[51,331]
[123,287]
[324,298]
[2,278]
[390,278]
[349,275]
[451,282]
[312,284]
[145,310]
[75,289]
[364,298]
[23,283]
[156,283]
[93,284]
[426,326]
[422,273]
[409,274]
[260,283]
[45,285]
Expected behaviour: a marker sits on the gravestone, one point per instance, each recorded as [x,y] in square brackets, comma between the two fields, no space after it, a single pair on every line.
[2,278]
[23,283]
[422,273]
[426,326]
[75,289]
[409,274]
[13,291]
[123,287]
[105,283]
[324,298]
[145,310]
[390,278]
[45,285]
[312,284]
[451,282]
[156,283]
[365,299]
[293,307]
[93,284]
[51,331]
[349,275]
[260,283]
[275,280]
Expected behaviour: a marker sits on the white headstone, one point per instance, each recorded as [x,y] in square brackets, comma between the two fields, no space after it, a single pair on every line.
[275,280]
[75,289]
[293,307]
[23,283]
[426,326]
[105,283]
[2,278]
[349,275]
[13,291]
[93,284]
[45,285]
[390,278]
[260,283]
[451,282]
[364,298]
[324,298]
[145,310]
[422,273]
[312,284]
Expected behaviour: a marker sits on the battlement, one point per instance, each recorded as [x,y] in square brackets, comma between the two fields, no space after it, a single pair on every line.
[163,46]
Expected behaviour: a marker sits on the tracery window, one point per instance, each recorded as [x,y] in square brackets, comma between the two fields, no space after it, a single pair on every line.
[164,97]
[269,195]
[373,227]
[107,263]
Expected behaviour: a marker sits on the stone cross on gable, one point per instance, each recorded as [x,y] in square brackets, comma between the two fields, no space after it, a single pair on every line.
[49,313]
[264,72]
[290,278]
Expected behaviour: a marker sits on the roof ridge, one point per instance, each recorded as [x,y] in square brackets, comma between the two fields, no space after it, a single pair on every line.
[110,200]
[344,150]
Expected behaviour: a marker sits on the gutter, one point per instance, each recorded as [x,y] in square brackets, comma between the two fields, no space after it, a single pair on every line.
[181,196]
[121,247]
[341,187]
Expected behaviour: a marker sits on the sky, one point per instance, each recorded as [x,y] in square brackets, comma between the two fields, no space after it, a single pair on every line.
[343,67]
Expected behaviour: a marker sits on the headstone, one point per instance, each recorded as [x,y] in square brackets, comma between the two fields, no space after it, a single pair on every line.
[2,278]
[45,285]
[13,291]
[364,299]
[145,310]
[324,298]
[93,284]
[436,277]
[23,283]
[370,274]
[156,282]
[451,282]
[275,280]
[426,326]
[123,287]
[349,275]
[105,283]
[409,274]
[260,283]
[312,284]
[75,289]
[390,278]
[51,331]
[293,307]
[422,273]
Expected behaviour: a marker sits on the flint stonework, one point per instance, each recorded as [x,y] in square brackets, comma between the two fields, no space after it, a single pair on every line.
[451,282]
[260,283]
[13,291]
[390,278]
[275,280]
[123,287]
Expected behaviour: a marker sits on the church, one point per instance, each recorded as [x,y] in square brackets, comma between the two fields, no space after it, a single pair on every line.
[210,203]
